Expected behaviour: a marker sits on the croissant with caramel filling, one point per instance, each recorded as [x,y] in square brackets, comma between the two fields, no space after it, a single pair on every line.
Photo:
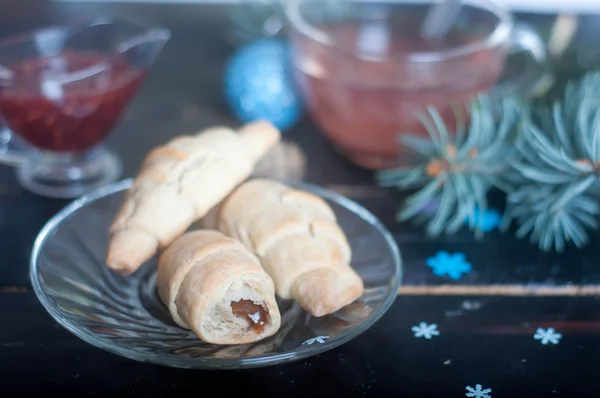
[178,184]
[214,286]
[299,243]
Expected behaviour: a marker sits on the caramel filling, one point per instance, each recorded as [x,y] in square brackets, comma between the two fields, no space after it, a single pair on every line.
[255,314]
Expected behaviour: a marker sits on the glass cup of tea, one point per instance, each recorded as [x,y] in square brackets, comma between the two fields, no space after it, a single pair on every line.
[366,72]
[62,89]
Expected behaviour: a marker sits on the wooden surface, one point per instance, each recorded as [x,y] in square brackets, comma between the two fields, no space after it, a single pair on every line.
[486,337]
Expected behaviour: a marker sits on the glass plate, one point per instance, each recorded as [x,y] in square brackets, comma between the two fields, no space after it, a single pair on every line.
[123,315]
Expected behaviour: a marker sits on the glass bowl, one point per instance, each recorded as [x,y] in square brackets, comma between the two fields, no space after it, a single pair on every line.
[123,315]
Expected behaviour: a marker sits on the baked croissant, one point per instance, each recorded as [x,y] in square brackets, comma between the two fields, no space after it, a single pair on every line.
[214,286]
[178,184]
[299,243]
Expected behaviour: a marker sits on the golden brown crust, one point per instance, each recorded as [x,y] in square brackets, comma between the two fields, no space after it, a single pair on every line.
[178,184]
[297,238]
[201,273]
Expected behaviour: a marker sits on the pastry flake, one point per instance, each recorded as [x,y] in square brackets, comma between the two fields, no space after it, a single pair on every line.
[299,243]
[214,286]
[178,184]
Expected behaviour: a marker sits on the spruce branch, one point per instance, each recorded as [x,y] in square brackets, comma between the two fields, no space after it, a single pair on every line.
[457,165]
[546,159]
[556,179]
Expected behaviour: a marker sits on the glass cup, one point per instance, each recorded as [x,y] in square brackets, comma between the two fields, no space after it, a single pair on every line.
[366,73]
[62,89]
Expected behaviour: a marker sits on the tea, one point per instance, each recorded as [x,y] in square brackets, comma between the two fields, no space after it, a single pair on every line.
[380,74]
[73,116]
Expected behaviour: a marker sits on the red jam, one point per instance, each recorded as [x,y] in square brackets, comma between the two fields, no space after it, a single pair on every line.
[72,115]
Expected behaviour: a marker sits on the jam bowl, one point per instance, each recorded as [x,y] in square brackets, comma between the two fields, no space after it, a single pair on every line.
[62,90]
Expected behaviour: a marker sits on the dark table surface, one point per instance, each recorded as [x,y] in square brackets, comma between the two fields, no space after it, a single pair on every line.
[486,321]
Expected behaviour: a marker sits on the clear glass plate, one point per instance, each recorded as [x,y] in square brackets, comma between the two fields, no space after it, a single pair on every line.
[123,315]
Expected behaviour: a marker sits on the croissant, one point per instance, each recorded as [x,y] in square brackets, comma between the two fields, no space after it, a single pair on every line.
[214,286]
[299,243]
[178,184]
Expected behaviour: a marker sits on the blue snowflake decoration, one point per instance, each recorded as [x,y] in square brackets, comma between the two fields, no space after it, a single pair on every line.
[486,220]
[451,265]
[318,339]
[546,336]
[478,392]
[425,330]
[259,85]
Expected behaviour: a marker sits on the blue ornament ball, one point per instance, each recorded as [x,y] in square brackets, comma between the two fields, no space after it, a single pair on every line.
[259,85]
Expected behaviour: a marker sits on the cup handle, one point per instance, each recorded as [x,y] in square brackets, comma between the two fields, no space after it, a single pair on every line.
[11,153]
[537,78]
